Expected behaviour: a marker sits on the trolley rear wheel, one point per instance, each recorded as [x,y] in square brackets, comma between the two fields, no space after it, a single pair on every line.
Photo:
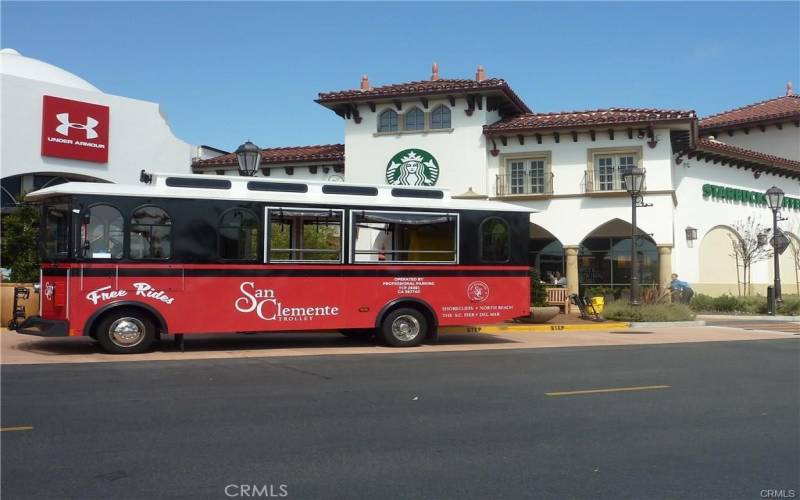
[404,327]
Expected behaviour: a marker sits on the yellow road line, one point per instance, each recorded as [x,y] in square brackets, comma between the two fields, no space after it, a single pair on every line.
[615,389]
[18,428]
[533,328]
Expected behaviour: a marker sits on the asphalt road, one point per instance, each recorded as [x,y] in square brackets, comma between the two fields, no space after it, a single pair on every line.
[441,425]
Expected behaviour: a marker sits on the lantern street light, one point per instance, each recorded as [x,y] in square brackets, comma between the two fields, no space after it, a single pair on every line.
[249,156]
[634,181]
[775,201]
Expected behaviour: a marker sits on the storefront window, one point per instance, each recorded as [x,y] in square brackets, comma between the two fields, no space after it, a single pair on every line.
[547,256]
[606,262]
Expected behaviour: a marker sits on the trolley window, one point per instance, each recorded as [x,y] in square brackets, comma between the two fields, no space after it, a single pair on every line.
[495,240]
[304,235]
[404,237]
[150,233]
[101,233]
[55,238]
[238,235]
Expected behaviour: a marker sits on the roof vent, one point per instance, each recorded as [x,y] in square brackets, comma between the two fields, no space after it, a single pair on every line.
[480,75]
[435,72]
[364,82]
[470,195]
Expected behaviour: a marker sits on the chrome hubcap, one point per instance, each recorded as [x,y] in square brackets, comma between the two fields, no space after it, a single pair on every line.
[126,332]
[405,328]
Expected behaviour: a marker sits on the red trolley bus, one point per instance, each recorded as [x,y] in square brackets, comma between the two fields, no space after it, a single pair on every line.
[192,254]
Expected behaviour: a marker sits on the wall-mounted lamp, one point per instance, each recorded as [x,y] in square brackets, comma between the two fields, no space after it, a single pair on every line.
[756,174]
[640,135]
[761,238]
[653,141]
[691,235]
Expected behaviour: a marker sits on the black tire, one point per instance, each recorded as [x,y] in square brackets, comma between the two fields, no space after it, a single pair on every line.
[358,333]
[404,327]
[135,331]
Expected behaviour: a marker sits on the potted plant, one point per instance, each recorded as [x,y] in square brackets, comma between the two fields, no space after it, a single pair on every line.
[540,311]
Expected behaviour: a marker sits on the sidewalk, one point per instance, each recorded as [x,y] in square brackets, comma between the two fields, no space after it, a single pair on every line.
[24,349]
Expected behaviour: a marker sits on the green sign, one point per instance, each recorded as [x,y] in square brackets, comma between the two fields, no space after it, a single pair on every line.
[412,167]
[744,196]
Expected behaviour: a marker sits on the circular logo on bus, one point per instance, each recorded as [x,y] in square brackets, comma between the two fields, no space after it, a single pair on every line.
[412,167]
[478,291]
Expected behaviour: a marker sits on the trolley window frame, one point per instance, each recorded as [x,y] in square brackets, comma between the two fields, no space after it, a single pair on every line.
[457,241]
[268,234]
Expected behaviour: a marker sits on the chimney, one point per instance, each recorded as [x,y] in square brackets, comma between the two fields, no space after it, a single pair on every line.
[435,72]
[480,75]
[364,82]
[789,88]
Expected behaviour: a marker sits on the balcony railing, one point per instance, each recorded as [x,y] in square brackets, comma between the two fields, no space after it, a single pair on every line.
[594,182]
[524,184]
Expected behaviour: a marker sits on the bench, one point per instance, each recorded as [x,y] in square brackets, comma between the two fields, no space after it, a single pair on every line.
[558,297]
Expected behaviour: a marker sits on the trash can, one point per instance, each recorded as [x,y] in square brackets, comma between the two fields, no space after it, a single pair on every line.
[598,303]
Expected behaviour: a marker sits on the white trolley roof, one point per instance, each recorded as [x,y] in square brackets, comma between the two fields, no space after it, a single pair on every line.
[264,189]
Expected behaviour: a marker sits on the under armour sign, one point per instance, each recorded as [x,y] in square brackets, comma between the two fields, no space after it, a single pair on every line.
[74,129]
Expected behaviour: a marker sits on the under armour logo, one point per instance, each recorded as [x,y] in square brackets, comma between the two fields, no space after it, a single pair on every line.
[63,129]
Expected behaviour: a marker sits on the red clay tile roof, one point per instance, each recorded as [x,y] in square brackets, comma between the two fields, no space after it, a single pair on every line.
[423,88]
[588,118]
[772,110]
[330,153]
[777,164]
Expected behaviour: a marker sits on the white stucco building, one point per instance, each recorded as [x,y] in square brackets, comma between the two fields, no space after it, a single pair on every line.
[58,127]
[476,136]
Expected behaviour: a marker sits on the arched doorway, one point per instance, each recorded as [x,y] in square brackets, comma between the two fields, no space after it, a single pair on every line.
[719,270]
[604,260]
[545,252]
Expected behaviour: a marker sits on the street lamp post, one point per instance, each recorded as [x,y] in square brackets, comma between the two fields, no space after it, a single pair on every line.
[249,156]
[634,180]
[775,201]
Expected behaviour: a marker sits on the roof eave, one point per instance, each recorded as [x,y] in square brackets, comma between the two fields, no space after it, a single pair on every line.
[488,130]
[723,127]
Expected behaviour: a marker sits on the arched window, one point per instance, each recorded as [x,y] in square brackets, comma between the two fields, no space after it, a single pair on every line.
[440,118]
[238,235]
[150,233]
[101,233]
[414,119]
[495,240]
[387,121]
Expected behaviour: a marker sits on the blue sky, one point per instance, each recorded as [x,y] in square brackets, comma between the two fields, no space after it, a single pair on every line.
[226,72]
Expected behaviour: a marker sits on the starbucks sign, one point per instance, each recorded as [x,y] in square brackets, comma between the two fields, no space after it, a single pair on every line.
[412,167]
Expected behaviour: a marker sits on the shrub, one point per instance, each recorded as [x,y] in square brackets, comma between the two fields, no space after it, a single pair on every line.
[622,311]
[726,303]
[702,302]
[790,306]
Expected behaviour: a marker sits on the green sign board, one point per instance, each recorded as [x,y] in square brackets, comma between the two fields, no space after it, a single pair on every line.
[744,196]
[412,167]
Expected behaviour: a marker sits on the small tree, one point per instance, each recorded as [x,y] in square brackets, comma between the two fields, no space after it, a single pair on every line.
[538,292]
[20,233]
[747,250]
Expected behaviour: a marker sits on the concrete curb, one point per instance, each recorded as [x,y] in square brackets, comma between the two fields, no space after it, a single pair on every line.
[666,324]
[527,327]
[736,317]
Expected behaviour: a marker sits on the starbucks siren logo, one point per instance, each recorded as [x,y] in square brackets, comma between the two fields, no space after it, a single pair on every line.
[412,167]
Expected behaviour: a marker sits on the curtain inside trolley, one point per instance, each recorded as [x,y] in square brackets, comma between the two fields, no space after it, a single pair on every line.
[404,237]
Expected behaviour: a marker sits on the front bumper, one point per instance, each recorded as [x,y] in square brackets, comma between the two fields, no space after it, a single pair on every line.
[35,325]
